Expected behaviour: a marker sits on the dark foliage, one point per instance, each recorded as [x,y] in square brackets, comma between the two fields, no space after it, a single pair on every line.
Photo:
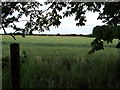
[104,34]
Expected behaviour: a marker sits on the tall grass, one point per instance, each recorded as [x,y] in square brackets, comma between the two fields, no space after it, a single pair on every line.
[63,62]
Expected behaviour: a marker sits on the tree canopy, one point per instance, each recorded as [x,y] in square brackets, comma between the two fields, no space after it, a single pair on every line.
[42,20]
[38,20]
[105,33]
[111,16]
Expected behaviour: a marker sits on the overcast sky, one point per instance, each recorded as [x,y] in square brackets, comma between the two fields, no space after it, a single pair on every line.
[68,25]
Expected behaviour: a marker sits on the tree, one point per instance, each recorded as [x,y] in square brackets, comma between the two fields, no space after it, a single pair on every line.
[111,16]
[13,11]
[41,20]
[111,13]
[58,34]
[105,33]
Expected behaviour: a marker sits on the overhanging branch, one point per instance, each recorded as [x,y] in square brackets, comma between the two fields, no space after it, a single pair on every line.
[4,29]
[6,32]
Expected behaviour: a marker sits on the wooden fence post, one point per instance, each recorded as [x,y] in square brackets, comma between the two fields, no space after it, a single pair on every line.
[15,66]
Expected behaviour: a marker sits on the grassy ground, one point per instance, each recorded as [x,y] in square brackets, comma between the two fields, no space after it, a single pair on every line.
[62,62]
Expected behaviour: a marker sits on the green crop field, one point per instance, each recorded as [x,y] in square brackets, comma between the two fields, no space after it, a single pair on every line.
[61,62]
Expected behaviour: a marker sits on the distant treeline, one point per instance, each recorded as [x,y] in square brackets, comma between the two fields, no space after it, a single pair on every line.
[89,35]
[115,34]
